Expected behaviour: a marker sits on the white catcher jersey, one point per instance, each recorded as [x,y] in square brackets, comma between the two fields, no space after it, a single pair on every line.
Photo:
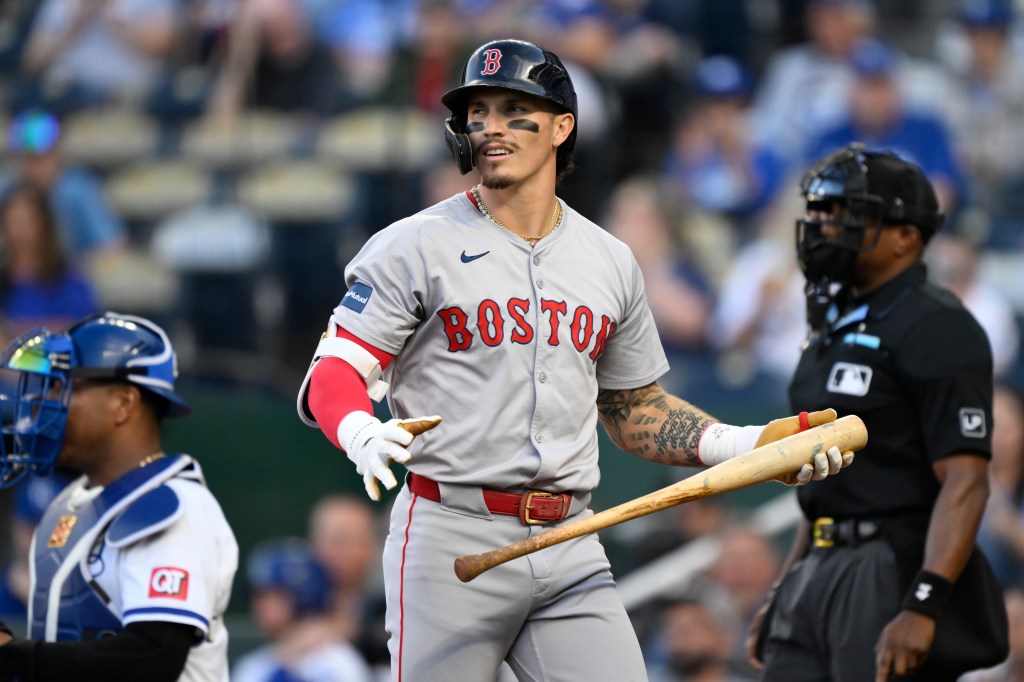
[181,575]
[508,344]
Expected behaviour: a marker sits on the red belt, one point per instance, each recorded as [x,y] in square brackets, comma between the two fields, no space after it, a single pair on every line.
[533,507]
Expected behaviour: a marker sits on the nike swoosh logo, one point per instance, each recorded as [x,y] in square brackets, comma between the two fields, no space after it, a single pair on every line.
[470,259]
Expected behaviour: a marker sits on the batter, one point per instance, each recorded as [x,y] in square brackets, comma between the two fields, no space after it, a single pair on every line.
[517,323]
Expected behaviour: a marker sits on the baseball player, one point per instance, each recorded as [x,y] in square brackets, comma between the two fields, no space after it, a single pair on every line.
[132,563]
[519,323]
[290,599]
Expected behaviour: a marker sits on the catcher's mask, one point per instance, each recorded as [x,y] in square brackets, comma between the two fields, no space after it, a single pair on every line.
[847,192]
[513,65]
[101,347]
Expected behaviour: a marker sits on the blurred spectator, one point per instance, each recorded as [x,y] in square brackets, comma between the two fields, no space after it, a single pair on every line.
[644,215]
[985,115]
[275,62]
[425,67]
[953,262]
[362,36]
[758,324]
[15,18]
[804,87]
[694,644]
[639,60]
[90,52]
[289,594]
[879,116]
[1013,669]
[661,534]
[1001,535]
[87,228]
[39,286]
[714,161]
[344,538]
[746,566]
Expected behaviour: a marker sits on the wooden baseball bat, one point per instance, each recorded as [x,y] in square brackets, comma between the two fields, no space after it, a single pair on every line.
[759,465]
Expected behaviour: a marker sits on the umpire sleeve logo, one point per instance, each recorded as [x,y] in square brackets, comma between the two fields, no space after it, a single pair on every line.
[849,379]
[972,422]
[357,296]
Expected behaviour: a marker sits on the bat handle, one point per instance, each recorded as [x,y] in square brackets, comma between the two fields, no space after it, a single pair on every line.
[470,566]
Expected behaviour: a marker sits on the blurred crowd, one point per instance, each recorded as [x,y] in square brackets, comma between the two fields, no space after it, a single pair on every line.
[213,164]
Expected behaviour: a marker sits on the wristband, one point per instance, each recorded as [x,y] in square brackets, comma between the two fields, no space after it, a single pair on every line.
[927,595]
[720,442]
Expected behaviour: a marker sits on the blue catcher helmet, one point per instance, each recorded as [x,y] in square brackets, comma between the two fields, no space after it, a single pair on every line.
[106,346]
[288,565]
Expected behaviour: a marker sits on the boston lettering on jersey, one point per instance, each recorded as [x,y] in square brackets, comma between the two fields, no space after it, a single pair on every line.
[585,332]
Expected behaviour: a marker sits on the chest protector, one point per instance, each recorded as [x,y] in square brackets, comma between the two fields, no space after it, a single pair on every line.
[66,603]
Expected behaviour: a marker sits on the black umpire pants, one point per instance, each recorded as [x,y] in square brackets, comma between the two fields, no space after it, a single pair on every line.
[829,612]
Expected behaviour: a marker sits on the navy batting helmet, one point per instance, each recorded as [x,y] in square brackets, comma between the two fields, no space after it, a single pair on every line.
[513,65]
[287,564]
[103,346]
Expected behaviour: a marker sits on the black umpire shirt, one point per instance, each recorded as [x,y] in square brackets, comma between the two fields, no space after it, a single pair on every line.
[911,362]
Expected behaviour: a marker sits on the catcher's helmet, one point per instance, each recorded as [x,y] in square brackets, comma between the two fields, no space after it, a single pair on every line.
[876,186]
[513,65]
[102,346]
[287,564]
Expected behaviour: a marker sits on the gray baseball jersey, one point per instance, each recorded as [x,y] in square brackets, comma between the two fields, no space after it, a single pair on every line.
[507,343]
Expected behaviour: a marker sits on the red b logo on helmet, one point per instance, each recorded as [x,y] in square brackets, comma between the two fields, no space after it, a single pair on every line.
[492,60]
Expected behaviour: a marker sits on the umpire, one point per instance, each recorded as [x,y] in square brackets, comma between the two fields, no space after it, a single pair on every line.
[884,578]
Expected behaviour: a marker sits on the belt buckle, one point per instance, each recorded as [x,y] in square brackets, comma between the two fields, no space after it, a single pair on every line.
[526,504]
[824,537]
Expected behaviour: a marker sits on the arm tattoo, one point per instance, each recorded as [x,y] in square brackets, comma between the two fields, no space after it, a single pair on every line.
[650,423]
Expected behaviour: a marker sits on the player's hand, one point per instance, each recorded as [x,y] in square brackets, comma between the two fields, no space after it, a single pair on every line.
[904,644]
[821,466]
[824,464]
[373,444]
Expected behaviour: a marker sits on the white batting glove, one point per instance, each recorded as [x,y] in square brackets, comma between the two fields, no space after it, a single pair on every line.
[373,444]
[823,465]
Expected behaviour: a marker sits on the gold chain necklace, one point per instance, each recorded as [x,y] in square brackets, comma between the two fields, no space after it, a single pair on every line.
[152,458]
[556,218]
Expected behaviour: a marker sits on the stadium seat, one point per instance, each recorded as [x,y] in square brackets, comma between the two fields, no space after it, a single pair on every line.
[104,138]
[296,192]
[377,139]
[151,190]
[253,137]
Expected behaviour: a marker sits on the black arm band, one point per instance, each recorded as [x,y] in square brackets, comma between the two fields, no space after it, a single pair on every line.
[153,651]
[927,594]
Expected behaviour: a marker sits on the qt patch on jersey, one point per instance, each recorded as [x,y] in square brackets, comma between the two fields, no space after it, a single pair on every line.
[169,582]
[849,379]
[972,422]
[357,296]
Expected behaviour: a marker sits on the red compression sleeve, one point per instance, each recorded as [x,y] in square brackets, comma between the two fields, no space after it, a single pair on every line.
[336,388]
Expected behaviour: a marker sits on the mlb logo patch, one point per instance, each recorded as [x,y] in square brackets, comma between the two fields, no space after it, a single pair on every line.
[972,422]
[168,582]
[357,297]
[849,379]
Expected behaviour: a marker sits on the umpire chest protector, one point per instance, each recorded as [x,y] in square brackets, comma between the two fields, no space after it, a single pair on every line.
[66,603]
[894,358]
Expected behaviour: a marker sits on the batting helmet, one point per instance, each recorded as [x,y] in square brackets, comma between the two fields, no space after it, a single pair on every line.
[103,346]
[870,185]
[287,564]
[513,65]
